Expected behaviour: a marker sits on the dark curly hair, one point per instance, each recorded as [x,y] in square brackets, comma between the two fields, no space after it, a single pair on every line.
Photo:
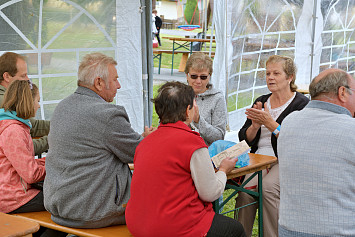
[172,101]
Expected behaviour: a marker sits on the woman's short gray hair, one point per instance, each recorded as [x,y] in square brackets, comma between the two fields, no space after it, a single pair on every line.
[329,84]
[92,66]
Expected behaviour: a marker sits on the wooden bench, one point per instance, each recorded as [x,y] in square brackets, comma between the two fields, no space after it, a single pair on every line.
[185,55]
[12,226]
[43,218]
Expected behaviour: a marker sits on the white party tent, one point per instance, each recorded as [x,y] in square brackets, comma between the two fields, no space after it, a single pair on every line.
[55,34]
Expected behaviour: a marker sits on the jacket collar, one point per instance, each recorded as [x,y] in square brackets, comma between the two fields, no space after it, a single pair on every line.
[2,88]
[12,115]
[179,125]
[86,91]
[328,106]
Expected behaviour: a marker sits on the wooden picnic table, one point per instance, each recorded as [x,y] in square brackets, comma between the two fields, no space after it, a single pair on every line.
[186,45]
[303,88]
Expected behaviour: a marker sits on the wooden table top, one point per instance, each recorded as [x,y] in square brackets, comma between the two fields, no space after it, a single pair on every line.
[16,226]
[303,88]
[189,39]
[256,162]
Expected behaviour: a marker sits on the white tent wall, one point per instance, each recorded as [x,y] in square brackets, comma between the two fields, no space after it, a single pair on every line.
[129,59]
[55,35]
[318,34]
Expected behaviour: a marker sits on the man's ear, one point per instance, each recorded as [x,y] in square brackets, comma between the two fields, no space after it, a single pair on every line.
[98,83]
[343,94]
[6,77]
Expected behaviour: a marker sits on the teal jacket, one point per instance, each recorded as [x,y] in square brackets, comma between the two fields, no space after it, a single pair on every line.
[40,128]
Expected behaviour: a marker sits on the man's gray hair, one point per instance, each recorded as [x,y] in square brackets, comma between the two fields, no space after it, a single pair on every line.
[329,84]
[92,66]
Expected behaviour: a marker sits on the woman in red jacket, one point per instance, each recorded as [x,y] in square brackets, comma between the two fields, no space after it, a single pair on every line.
[174,182]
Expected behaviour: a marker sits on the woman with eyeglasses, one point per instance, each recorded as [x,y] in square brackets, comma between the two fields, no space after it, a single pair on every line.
[210,119]
[261,131]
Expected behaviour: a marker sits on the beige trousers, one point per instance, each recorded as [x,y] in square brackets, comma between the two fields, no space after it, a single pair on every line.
[271,201]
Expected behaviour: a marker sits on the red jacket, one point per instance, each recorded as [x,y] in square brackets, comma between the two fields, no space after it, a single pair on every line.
[18,168]
[164,200]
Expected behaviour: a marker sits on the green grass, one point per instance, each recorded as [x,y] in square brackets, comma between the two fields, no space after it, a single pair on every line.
[166,59]
[231,205]
[244,99]
[155,118]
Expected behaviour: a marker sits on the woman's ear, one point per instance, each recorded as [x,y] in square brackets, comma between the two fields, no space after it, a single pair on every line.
[290,79]
[187,112]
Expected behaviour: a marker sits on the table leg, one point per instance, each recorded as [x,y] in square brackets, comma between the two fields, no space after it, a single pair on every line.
[159,63]
[183,61]
[260,191]
[172,58]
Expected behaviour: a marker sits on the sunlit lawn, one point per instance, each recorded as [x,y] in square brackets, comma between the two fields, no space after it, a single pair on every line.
[167,58]
[231,205]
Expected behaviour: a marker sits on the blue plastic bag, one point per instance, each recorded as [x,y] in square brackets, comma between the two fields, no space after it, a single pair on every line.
[221,145]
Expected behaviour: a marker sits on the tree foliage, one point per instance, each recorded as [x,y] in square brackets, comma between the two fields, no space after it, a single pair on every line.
[192,13]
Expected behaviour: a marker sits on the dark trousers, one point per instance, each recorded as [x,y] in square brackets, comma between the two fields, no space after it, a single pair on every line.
[158,37]
[223,226]
[37,204]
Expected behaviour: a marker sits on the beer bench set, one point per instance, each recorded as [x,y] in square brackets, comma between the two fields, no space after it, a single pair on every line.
[43,218]
[157,54]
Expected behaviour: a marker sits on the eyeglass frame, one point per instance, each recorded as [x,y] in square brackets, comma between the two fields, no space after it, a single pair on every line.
[199,76]
[349,88]
[30,84]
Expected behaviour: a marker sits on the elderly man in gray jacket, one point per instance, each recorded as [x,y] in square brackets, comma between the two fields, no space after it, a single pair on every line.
[91,143]
[317,161]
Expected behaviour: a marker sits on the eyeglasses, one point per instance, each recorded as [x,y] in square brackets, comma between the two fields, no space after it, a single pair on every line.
[347,87]
[30,83]
[202,77]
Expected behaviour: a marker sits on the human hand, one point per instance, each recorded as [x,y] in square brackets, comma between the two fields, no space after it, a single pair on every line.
[258,116]
[148,131]
[196,117]
[228,164]
[258,105]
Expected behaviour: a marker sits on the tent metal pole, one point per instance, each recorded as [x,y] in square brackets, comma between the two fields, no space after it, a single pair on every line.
[314,18]
[226,58]
[146,37]
[150,60]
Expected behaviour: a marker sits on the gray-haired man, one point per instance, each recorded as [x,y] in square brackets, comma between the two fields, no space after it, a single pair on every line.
[317,161]
[91,143]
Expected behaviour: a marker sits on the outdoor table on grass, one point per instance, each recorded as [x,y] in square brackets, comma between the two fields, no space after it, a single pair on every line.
[257,163]
[186,45]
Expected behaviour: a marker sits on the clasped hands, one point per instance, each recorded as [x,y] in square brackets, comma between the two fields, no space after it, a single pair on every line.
[259,117]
